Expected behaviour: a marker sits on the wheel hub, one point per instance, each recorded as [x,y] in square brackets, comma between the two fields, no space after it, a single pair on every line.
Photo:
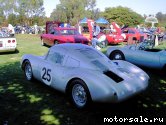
[79,95]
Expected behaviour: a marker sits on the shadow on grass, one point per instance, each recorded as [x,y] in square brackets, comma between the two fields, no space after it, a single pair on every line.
[33,103]
[15,52]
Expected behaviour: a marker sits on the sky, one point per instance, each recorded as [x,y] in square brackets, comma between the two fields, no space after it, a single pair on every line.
[140,6]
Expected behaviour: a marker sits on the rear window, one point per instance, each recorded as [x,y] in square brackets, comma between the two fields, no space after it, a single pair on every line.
[90,53]
[2,35]
[69,32]
[100,65]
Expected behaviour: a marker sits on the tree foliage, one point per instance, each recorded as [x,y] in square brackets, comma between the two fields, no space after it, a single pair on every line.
[73,10]
[22,11]
[32,11]
[161,18]
[123,16]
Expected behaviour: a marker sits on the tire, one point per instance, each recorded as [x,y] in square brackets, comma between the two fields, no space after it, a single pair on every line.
[117,55]
[42,43]
[28,71]
[56,42]
[79,94]
[164,69]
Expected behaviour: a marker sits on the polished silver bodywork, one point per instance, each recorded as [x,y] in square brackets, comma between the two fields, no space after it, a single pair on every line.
[78,61]
[142,55]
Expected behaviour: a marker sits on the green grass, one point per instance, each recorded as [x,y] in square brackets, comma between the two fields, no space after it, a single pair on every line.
[33,103]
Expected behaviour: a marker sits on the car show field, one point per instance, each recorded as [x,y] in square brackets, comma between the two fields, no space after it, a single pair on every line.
[31,103]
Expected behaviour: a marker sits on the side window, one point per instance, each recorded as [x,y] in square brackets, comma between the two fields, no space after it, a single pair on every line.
[71,62]
[55,32]
[51,31]
[55,57]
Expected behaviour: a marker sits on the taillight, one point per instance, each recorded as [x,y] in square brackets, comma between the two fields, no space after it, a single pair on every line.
[9,41]
[13,41]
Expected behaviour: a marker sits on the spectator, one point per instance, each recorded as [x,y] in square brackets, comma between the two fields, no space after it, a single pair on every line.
[36,28]
[96,31]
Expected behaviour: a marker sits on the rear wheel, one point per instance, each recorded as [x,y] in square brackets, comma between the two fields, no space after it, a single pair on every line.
[28,71]
[79,94]
[56,42]
[117,55]
[164,69]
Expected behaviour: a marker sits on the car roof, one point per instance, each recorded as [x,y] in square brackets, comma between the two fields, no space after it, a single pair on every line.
[77,50]
[88,56]
[71,46]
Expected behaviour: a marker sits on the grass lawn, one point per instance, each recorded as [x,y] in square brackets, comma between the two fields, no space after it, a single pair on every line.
[32,103]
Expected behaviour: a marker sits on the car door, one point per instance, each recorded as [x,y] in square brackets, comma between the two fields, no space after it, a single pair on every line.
[46,38]
[52,70]
[54,36]
[132,33]
[125,31]
[144,58]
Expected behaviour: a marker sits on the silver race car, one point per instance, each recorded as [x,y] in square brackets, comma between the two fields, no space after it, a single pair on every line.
[85,74]
[142,54]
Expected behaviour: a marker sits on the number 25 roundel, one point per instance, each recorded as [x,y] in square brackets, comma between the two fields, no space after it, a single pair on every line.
[46,75]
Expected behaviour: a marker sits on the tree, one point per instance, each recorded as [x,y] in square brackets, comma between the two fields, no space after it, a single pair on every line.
[161,18]
[7,7]
[30,9]
[25,11]
[12,19]
[123,16]
[74,10]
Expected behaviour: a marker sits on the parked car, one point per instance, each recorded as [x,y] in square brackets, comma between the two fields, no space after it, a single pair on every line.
[7,43]
[135,34]
[112,38]
[142,54]
[85,74]
[63,35]
[57,32]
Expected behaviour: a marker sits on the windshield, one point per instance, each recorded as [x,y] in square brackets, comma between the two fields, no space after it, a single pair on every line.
[69,32]
[2,35]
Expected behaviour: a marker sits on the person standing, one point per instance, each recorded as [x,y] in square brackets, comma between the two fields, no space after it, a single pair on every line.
[36,28]
[96,31]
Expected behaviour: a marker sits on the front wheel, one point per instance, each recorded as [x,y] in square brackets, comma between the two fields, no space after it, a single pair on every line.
[28,71]
[79,94]
[117,55]
[42,42]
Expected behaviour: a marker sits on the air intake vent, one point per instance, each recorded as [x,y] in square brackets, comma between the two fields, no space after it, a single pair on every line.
[113,76]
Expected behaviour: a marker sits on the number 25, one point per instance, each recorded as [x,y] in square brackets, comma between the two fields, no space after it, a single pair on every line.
[46,75]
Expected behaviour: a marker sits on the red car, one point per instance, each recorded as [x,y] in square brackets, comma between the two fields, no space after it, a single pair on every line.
[56,35]
[135,33]
[113,38]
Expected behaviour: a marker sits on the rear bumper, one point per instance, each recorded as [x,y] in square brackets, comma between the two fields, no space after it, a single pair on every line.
[11,49]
